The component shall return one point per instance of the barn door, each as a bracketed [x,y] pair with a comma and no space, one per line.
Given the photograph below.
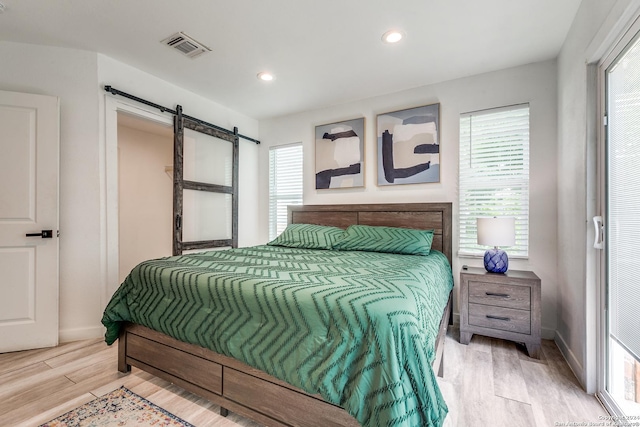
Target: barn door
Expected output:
[205,186]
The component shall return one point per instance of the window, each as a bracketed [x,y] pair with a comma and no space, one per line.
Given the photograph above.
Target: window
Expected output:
[494,174]
[285,184]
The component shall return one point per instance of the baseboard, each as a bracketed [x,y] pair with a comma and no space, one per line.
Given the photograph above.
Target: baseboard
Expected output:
[573,363]
[77,334]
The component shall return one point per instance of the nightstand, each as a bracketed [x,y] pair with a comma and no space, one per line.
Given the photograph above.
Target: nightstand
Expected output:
[503,306]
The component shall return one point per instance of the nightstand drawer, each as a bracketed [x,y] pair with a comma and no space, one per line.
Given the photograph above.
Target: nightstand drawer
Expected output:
[504,319]
[509,296]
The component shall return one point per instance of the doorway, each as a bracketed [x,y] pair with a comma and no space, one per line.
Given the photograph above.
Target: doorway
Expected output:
[215,222]
[145,191]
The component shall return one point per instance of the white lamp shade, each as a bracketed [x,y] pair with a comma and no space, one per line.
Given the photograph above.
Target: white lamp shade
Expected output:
[497,231]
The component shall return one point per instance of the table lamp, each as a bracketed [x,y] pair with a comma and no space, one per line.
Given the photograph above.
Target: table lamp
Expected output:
[496,231]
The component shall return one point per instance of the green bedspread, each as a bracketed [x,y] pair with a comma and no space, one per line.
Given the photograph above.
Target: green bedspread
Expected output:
[358,328]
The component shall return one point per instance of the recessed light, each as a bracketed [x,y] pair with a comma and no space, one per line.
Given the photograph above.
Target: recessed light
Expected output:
[265,76]
[392,36]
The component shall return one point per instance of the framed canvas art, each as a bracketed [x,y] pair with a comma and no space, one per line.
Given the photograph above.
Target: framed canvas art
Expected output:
[409,146]
[340,154]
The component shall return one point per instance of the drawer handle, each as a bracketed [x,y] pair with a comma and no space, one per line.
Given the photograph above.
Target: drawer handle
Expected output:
[506,319]
[496,294]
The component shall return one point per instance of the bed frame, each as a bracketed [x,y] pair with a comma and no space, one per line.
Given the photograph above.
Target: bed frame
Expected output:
[250,392]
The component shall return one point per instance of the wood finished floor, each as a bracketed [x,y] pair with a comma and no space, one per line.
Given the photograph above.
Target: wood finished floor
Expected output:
[490,382]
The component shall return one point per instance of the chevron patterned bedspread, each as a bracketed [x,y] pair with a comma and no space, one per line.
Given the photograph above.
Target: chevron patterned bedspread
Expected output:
[358,328]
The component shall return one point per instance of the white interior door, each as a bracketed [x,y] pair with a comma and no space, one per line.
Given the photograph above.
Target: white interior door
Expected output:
[29,169]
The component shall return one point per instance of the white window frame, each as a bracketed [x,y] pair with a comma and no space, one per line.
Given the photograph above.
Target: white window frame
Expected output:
[285,184]
[494,174]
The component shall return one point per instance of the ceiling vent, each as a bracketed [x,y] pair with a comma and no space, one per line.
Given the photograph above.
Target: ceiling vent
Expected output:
[186,45]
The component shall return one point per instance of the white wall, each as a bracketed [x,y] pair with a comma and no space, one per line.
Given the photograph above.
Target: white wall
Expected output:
[535,83]
[76,77]
[593,32]
[145,193]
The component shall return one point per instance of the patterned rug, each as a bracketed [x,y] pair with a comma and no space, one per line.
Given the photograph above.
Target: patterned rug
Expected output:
[121,407]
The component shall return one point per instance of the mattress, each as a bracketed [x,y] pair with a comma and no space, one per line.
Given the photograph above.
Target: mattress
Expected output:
[358,328]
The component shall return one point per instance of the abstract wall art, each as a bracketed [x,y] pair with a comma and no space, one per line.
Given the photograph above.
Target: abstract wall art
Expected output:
[340,154]
[409,146]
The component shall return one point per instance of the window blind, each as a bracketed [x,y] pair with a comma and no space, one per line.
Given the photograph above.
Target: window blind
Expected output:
[285,184]
[494,174]
[623,199]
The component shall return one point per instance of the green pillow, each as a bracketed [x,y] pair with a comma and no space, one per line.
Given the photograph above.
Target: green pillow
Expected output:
[405,241]
[308,236]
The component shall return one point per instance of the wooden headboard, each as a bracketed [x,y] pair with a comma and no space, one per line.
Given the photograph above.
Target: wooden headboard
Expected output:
[421,216]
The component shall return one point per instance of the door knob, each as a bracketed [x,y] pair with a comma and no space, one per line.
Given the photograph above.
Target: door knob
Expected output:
[45,234]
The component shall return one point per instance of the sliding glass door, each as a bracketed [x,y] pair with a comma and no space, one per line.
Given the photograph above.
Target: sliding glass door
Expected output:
[621,256]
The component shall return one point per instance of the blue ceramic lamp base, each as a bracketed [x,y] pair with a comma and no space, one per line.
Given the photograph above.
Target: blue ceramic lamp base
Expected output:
[496,261]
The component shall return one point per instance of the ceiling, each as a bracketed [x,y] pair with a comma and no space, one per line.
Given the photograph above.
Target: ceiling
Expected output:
[323,53]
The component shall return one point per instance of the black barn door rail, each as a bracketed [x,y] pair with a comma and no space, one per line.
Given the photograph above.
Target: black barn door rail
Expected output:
[114,91]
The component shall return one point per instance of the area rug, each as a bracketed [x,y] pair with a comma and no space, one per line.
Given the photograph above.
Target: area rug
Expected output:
[121,407]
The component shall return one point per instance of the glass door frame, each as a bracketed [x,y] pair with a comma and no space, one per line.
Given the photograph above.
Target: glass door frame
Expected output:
[179,184]
[630,35]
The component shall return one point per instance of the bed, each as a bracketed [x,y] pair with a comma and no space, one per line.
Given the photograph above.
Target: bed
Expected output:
[268,362]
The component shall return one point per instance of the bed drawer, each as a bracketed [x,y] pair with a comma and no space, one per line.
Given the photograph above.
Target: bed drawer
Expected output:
[297,408]
[504,319]
[510,296]
[176,362]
